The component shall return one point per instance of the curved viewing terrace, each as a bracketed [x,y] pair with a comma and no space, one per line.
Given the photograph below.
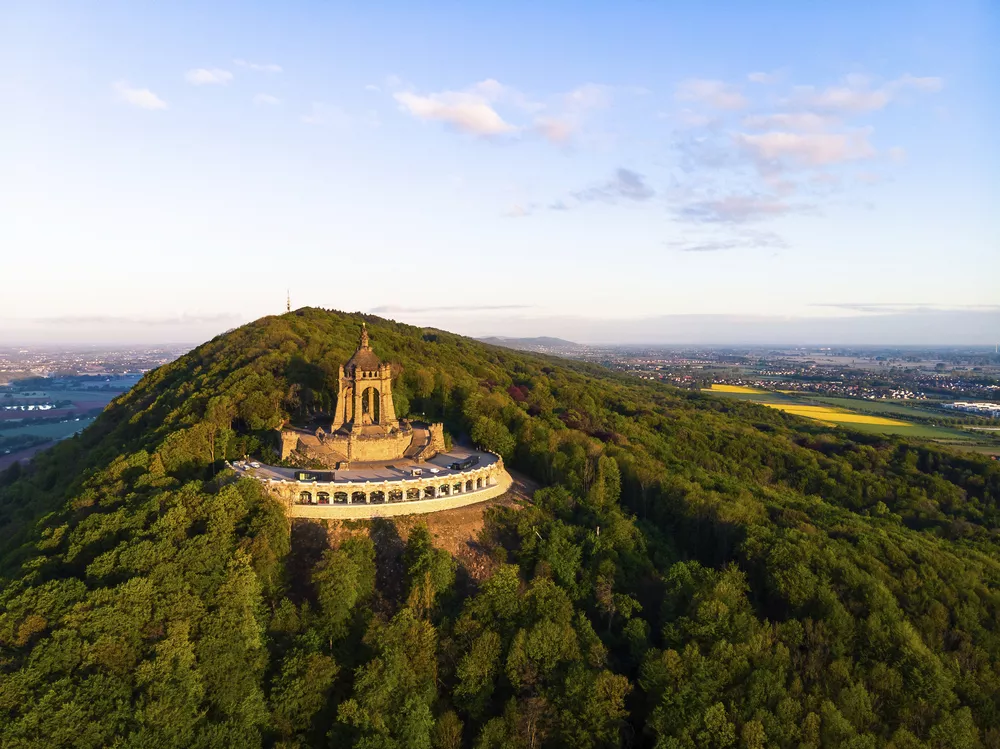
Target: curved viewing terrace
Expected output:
[453,479]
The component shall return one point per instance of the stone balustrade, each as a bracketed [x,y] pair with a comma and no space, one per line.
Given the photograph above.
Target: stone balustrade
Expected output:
[382,498]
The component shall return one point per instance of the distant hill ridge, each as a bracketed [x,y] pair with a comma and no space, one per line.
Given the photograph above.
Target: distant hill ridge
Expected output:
[527,343]
[694,572]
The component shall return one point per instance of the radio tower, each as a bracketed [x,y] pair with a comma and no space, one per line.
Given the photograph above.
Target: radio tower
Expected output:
[288,301]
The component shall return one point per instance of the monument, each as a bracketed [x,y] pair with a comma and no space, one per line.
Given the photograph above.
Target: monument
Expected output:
[364,428]
[365,396]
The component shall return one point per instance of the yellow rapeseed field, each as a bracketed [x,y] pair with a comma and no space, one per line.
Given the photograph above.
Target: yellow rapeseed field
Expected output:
[734,389]
[836,415]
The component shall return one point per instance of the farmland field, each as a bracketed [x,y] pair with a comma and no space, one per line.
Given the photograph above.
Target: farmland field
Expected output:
[741,389]
[882,407]
[873,417]
[836,415]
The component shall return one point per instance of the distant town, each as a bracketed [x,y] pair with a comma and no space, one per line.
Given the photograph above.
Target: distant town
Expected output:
[48,393]
[24,362]
[870,373]
[949,395]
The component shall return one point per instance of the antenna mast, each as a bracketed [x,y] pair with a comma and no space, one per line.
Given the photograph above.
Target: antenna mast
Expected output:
[288,301]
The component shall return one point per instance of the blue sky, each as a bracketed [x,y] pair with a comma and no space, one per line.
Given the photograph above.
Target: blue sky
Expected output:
[664,172]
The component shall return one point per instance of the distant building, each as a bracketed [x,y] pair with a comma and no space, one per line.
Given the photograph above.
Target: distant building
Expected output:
[980,408]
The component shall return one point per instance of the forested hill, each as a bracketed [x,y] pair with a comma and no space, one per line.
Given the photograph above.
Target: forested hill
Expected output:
[695,572]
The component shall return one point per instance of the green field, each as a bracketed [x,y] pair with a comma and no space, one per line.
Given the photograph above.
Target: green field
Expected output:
[963,439]
[923,431]
[56,431]
[889,408]
[59,395]
[770,397]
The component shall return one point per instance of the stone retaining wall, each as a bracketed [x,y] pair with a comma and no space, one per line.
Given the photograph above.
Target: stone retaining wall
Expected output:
[393,509]
[385,498]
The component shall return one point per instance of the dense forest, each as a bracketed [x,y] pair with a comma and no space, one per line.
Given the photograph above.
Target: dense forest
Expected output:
[694,571]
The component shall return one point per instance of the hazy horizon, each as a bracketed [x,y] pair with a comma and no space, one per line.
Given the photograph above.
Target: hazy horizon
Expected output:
[930,328]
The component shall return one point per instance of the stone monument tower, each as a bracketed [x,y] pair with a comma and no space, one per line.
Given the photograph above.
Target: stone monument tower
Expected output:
[364,400]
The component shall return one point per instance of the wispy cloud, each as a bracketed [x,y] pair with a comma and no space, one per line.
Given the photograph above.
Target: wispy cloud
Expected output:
[927,84]
[745,239]
[809,122]
[715,94]
[138,97]
[736,209]
[259,67]
[208,76]
[889,308]
[266,100]
[623,185]
[855,95]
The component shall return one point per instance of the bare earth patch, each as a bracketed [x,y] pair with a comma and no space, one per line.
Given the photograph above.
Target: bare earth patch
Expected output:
[456,531]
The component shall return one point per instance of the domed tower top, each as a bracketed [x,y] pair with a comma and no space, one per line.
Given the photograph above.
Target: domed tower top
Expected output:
[364,398]
[364,358]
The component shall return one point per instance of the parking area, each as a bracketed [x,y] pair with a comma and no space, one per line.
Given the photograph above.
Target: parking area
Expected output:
[440,466]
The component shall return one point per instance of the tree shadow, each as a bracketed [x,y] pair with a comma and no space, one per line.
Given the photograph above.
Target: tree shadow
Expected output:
[389,574]
[309,541]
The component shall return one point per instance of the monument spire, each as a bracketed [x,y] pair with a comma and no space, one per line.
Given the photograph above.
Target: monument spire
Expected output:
[364,335]
[288,301]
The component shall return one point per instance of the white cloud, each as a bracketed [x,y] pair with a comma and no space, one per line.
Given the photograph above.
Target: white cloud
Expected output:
[206,76]
[372,87]
[764,78]
[490,108]
[588,96]
[138,97]
[266,100]
[716,94]
[814,149]
[800,121]
[495,92]
[469,112]
[260,68]
[517,211]
[897,154]
[555,130]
